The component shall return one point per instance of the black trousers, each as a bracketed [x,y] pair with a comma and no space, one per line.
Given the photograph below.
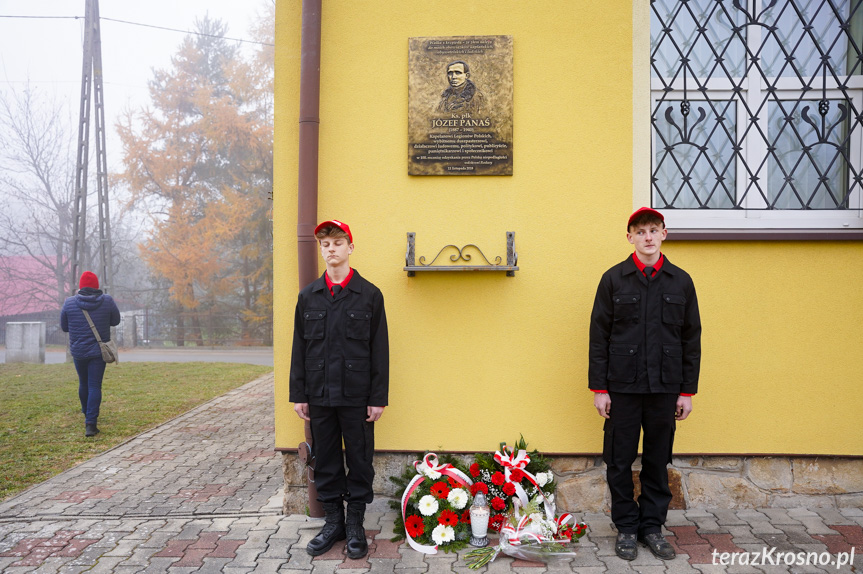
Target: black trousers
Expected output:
[630,413]
[330,427]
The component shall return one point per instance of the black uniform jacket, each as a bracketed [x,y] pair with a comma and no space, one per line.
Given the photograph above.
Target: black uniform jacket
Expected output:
[341,353]
[645,337]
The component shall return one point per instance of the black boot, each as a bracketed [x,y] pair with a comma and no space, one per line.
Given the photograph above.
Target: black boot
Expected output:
[90,429]
[333,530]
[357,545]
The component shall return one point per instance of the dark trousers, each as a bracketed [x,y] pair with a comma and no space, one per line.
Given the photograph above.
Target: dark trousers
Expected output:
[330,427]
[90,373]
[630,413]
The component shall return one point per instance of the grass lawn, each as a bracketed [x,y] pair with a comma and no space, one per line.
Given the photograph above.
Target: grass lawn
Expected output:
[42,428]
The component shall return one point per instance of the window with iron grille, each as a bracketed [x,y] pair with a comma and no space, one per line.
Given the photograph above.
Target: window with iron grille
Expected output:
[757,113]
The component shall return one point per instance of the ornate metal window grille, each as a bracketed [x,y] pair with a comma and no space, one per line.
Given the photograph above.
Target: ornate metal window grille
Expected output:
[757,104]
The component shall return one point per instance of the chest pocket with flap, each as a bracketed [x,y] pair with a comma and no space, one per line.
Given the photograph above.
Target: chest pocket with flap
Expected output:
[626,306]
[314,323]
[673,308]
[359,324]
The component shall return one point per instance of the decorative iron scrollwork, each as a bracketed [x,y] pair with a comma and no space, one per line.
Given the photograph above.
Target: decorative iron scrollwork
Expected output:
[686,130]
[823,131]
[462,254]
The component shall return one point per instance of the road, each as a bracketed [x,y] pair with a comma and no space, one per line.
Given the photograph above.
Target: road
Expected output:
[255,356]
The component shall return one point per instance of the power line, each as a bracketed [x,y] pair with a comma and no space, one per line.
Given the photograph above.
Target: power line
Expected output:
[43,17]
[186,31]
[142,25]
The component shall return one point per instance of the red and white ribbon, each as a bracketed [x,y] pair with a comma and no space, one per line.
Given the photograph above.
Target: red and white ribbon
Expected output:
[431,462]
[510,459]
[563,519]
[560,522]
[515,535]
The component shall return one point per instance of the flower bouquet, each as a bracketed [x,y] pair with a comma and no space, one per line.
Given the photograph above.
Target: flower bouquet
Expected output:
[519,487]
[434,506]
[532,532]
[509,475]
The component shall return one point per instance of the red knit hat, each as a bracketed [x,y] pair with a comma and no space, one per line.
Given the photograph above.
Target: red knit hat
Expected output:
[88,279]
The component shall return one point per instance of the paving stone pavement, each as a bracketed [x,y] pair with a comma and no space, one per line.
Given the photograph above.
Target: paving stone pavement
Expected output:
[203,493]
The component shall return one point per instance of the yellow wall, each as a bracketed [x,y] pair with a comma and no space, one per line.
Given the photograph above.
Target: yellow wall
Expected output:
[478,358]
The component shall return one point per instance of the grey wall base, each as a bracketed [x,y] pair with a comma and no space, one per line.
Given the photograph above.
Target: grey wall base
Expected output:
[727,482]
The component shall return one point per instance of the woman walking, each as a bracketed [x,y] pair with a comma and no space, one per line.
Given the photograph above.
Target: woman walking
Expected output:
[83,345]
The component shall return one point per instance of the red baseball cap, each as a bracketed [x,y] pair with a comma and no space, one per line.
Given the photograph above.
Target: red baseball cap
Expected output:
[336,223]
[642,210]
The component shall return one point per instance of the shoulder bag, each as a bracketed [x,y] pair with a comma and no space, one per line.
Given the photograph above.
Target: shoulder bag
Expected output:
[109,349]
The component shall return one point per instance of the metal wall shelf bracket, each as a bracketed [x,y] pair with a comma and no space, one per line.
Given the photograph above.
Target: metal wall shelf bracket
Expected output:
[461,254]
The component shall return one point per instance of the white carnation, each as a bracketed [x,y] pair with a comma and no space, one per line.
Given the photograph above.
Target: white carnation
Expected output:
[428,505]
[427,471]
[443,533]
[549,529]
[541,479]
[457,498]
[550,476]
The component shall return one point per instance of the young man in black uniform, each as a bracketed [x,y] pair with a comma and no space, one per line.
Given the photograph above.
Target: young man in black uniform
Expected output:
[645,355]
[340,383]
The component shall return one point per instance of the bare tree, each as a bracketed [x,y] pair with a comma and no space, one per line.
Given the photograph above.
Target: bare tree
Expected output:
[37,194]
[37,201]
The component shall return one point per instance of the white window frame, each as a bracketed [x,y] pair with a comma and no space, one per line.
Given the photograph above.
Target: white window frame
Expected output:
[699,220]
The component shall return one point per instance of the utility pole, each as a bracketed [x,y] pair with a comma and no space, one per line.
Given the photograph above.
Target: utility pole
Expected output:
[91,87]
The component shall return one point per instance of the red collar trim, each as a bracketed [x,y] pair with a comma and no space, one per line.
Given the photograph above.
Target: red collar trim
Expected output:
[343,284]
[641,265]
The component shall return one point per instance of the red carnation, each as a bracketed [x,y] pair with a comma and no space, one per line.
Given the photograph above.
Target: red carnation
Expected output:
[440,489]
[509,489]
[478,487]
[498,479]
[465,516]
[474,469]
[448,518]
[516,475]
[414,525]
[497,503]
[496,522]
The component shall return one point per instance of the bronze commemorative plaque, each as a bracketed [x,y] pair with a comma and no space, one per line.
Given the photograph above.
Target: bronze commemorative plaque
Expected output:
[460,105]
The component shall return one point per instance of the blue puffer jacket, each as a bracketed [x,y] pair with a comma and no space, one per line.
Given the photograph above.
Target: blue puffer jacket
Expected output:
[104,313]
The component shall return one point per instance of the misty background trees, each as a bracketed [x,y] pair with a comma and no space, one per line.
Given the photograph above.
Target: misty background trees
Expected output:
[36,203]
[190,205]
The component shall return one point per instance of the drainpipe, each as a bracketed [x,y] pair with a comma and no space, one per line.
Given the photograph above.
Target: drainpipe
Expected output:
[307,193]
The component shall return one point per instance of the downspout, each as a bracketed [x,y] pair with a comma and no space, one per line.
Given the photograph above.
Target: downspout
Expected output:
[307,193]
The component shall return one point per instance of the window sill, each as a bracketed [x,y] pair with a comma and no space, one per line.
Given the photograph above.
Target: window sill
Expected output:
[765,234]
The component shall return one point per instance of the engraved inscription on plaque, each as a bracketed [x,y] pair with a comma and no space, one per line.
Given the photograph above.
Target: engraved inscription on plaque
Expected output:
[460,105]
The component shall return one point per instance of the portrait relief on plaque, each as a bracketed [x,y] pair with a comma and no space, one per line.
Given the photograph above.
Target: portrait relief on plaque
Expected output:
[460,105]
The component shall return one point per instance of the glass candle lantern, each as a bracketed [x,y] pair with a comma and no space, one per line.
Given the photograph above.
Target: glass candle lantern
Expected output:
[479,516]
